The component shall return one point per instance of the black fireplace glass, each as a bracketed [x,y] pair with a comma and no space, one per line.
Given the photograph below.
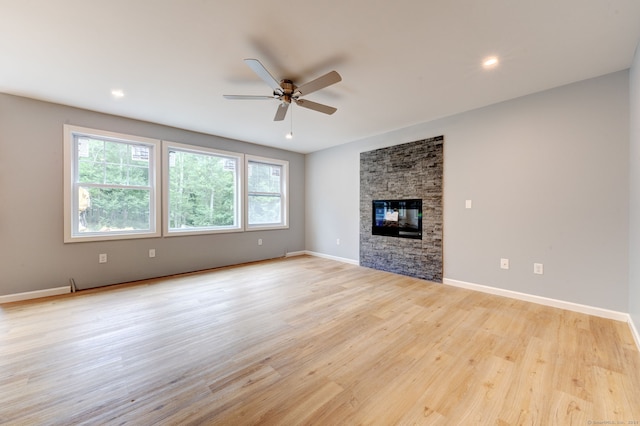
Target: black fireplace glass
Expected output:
[397,218]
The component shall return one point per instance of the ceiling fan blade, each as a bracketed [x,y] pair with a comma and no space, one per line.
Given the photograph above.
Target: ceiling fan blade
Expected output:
[281,112]
[316,106]
[262,72]
[248,97]
[319,83]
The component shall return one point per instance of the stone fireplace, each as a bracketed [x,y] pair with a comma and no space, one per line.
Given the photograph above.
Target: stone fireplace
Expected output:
[408,171]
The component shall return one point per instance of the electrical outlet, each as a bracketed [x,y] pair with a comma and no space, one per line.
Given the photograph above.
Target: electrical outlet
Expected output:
[467,204]
[259,241]
[152,252]
[504,263]
[102,258]
[338,241]
[538,268]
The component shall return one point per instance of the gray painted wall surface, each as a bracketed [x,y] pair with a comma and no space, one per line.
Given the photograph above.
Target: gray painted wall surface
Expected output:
[634,232]
[548,175]
[32,253]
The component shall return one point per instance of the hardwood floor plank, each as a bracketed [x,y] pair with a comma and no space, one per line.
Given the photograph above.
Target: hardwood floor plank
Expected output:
[306,340]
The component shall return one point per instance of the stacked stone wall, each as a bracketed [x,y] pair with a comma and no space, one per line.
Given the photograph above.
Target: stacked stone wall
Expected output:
[407,171]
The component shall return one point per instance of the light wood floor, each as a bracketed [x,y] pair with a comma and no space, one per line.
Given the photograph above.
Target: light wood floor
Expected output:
[310,341]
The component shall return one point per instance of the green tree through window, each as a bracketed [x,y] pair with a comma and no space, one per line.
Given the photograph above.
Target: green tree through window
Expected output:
[203,189]
[111,184]
[117,182]
[266,193]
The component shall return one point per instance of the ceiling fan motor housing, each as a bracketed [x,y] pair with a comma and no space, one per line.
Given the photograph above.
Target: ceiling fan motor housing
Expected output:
[287,88]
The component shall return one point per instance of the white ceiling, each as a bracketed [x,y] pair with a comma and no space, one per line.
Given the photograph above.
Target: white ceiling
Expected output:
[402,62]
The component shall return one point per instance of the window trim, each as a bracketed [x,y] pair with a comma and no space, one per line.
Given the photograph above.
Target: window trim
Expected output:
[284,224]
[70,194]
[166,146]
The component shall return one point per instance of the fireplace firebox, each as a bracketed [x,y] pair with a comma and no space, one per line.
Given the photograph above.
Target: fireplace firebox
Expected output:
[397,218]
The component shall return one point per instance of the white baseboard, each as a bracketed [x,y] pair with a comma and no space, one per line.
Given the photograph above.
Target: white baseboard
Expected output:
[328,256]
[295,253]
[34,294]
[570,306]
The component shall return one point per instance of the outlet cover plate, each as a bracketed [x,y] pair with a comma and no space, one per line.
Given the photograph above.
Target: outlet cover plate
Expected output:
[538,268]
[504,263]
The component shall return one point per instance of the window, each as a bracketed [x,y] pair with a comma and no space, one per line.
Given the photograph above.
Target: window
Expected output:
[202,190]
[267,186]
[112,188]
[111,185]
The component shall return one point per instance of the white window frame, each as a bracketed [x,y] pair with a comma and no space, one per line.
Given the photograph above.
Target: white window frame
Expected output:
[71,186]
[238,226]
[284,194]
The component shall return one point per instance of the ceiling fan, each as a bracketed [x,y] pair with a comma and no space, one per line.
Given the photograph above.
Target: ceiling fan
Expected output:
[286,91]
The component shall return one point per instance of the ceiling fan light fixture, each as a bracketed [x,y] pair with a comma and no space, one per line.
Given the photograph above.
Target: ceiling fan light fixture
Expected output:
[490,62]
[117,93]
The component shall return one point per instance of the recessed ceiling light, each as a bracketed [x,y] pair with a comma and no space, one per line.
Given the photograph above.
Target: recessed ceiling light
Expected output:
[117,93]
[490,62]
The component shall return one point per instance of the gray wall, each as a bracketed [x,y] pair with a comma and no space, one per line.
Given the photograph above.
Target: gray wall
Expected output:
[634,232]
[32,253]
[548,178]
